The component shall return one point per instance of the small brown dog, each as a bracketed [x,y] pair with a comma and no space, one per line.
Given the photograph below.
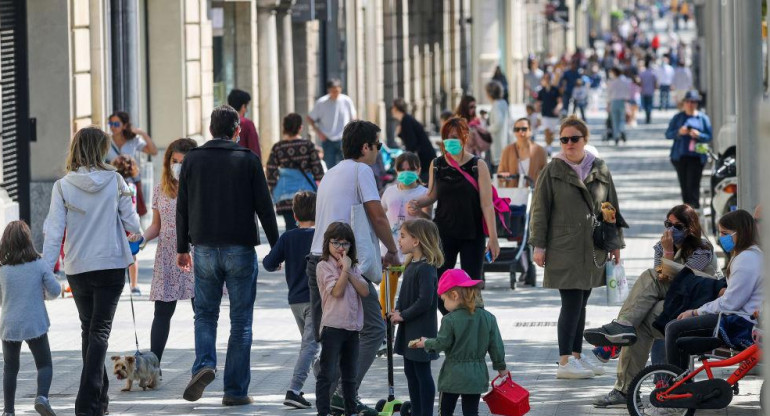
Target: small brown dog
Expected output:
[144,368]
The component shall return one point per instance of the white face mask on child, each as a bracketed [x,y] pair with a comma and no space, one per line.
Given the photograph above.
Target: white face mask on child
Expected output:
[176,169]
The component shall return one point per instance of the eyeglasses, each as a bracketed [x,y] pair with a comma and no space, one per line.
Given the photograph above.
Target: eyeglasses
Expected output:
[518,129]
[679,226]
[340,244]
[114,123]
[573,139]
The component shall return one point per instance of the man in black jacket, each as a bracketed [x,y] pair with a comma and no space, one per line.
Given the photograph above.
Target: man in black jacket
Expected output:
[221,187]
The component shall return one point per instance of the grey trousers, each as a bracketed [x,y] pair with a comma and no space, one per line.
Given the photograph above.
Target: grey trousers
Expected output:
[370,336]
[308,350]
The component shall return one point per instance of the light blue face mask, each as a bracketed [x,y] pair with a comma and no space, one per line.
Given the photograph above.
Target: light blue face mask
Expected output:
[407,177]
[453,146]
[727,243]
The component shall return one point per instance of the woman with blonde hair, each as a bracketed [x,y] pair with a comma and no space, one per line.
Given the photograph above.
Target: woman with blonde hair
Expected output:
[169,283]
[94,204]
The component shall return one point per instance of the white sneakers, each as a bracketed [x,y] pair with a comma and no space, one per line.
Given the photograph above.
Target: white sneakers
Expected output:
[574,369]
[590,362]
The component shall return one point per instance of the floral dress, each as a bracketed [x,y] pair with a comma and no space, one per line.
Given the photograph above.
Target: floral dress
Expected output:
[169,283]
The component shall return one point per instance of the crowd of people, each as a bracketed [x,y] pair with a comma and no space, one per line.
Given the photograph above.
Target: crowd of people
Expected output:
[342,227]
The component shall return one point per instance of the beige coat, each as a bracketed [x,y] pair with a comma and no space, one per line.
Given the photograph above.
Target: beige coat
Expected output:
[509,162]
[562,223]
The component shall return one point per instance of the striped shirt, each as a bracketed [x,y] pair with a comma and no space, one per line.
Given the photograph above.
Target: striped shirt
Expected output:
[698,260]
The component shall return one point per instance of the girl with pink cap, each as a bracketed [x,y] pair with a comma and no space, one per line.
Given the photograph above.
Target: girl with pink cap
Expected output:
[468,332]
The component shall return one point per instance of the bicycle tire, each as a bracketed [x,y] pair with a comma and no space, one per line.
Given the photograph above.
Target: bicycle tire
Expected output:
[631,396]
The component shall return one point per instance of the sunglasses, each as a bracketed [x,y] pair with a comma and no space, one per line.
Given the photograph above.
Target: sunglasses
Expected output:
[679,226]
[573,139]
[378,144]
[340,244]
[114,123]
[518,129]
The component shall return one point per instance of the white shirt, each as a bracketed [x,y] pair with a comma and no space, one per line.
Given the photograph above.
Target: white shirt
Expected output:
[523,170]
[331,116]
[619,89]
[665,74]
[682,79]
[337,193]
[744,285]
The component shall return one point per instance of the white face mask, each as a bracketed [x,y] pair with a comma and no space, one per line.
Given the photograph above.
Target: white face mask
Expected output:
[176,169]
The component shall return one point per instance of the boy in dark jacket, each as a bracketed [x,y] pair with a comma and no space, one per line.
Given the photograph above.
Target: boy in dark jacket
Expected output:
[292,248]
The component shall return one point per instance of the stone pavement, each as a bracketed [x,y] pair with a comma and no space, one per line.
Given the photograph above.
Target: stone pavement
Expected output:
[647,189]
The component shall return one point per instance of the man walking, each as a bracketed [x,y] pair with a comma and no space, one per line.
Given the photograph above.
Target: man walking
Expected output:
[240,100]
[221,187]
[349,183]
[649,82]
[328,118]
[665,78]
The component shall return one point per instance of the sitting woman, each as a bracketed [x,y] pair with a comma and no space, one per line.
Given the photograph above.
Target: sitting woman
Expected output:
[682,242]
[738,236]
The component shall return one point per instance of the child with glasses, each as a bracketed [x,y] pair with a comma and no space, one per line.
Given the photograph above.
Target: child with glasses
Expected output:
[341,287]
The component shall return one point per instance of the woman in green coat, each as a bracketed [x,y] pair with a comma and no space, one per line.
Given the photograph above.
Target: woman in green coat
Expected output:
[568,193]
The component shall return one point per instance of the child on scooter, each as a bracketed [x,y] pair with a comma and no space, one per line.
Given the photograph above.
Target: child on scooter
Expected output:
[415,311]
[467,334]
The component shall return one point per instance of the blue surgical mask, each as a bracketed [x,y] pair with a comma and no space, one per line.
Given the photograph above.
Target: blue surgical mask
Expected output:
[727,243]
[407,177]
[678,236]
[453,146]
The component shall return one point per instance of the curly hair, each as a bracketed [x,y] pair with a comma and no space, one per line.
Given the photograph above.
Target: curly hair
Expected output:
[126,166]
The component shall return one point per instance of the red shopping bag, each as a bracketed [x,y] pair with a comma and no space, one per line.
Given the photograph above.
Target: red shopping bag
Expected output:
[507,398]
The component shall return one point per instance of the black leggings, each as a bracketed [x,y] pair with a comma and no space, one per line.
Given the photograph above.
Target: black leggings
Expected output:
[422,389]
[572,320]
[471,258]
[448,401]
[41,353]
[161,325]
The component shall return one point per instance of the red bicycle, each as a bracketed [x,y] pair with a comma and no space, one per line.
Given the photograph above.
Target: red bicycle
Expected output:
[666,389]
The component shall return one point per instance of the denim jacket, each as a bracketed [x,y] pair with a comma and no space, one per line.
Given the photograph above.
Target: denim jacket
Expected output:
[681,146]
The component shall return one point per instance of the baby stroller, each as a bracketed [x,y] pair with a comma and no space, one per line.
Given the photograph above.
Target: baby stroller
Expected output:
[515,258]
[608,134]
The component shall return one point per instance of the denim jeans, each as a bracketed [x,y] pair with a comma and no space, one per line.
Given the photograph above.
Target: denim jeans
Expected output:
[332,152]
[96,296]
[665,94]
[236,268]
[308,350]
[41,352]
[647,107]
[618,117]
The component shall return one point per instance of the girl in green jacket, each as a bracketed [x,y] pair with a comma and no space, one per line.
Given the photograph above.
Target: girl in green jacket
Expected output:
[467,334]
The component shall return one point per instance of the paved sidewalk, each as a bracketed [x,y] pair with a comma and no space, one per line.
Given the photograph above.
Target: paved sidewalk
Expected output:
[647,189]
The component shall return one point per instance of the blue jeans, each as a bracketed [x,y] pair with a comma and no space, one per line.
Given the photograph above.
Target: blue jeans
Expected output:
[332,152]
[235,267]
[647,107]
[618,117]
[665,94]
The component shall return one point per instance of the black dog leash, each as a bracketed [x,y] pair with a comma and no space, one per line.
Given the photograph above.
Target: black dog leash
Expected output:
[133,313]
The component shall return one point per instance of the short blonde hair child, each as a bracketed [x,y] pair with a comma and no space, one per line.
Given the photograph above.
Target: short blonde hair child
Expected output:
[426,233]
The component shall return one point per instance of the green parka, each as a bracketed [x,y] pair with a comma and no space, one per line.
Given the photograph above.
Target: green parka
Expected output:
[465,339]
[562,223]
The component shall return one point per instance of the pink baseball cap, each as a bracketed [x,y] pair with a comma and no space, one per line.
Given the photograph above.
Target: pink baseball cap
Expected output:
[455,278]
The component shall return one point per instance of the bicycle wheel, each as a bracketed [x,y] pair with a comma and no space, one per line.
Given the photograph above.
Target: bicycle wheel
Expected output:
[649,379]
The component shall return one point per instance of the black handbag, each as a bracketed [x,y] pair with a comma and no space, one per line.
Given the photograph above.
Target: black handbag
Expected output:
[606,235]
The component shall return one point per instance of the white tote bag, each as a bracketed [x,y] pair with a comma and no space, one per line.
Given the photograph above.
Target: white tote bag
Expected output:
[367,244]
[617,284]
